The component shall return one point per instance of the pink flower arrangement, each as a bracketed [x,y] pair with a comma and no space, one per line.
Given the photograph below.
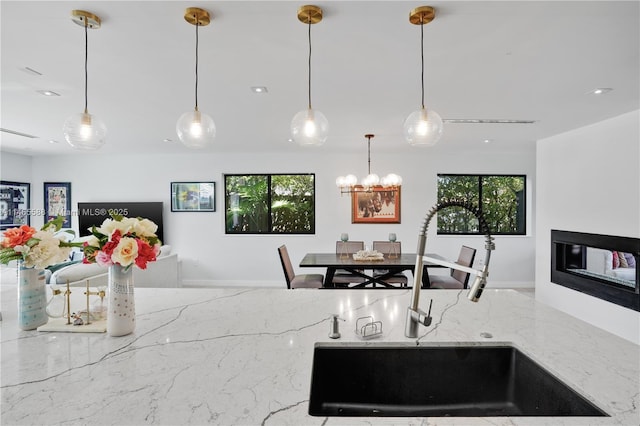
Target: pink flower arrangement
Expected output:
[123,241]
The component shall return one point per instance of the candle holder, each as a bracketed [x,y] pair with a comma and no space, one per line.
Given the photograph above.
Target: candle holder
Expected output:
[344,252]
[393,253]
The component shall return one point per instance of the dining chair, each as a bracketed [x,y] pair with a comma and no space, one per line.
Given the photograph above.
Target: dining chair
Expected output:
[301,280]
[342,277]
[390,249]
[457,279]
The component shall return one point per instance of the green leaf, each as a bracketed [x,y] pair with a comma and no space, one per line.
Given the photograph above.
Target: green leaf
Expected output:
[56,223]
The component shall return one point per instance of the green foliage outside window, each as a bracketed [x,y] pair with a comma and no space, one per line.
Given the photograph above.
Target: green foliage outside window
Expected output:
[501,199]
[270,204]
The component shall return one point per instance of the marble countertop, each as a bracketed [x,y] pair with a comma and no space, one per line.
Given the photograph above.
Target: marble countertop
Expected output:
[243,356]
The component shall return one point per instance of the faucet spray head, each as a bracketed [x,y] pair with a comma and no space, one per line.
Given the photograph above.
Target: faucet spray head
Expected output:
[478,285]
[476,289]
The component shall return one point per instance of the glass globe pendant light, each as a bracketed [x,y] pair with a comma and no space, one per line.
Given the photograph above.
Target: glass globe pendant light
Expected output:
[309,126]
[85,131]
[196,129]
[424,126]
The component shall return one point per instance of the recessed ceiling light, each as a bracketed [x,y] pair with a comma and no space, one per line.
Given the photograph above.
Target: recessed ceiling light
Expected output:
[600,90]
[167,140]
[52,141]
[48,92]
[487,140]
[259,89]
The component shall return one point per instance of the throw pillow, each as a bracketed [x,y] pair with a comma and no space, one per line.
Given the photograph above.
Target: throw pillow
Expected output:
[58,266]
[623,260]
[616,260]
[631,261]
[78,272]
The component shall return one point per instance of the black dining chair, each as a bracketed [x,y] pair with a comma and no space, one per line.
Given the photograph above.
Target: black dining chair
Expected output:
[341,277]
[390,249]
[301,280]
[457,279]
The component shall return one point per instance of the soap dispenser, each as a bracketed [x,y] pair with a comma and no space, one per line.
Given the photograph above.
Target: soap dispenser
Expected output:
[334,332]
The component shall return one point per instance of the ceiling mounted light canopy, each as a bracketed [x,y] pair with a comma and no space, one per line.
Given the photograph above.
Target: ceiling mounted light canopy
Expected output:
[349,183]
[424,126]
[309,126]
[196,129]
[83,130]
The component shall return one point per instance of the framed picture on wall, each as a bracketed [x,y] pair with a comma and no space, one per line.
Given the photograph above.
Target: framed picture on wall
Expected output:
[193,196]
[377,205]
[14,204]
[57,201]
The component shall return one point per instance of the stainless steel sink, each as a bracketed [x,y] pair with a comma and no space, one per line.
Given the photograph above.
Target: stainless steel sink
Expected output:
[418,381]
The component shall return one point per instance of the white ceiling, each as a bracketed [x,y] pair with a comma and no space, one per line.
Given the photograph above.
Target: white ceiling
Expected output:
[489,60]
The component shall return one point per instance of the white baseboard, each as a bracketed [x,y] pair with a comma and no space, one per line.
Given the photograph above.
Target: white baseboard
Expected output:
[511,284]
[233,283]
[281,284]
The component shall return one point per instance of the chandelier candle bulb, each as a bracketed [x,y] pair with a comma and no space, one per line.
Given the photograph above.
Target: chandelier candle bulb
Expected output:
[349,183]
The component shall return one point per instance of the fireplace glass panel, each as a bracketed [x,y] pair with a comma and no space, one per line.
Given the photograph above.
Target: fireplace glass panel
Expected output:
[602,266]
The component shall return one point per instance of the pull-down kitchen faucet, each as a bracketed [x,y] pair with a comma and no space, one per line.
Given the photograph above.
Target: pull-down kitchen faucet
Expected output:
[415,315]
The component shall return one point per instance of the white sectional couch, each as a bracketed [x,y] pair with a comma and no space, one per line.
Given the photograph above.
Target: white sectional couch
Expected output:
[164,272]
[600,261]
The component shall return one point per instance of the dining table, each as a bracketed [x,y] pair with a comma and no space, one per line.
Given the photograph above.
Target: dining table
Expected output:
[390,264]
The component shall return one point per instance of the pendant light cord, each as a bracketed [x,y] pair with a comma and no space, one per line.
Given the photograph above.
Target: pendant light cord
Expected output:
[197,25]
[309,65]
[422,56]
[369,154]
[86,58]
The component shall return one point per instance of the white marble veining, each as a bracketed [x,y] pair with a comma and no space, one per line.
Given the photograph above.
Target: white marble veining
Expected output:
[243,357]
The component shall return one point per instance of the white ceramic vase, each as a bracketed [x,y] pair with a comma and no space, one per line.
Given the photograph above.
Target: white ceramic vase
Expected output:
[121,314]
[32,298]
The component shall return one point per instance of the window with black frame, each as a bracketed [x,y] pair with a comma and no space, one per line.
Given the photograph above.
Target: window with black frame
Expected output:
[270,203]
[500,198]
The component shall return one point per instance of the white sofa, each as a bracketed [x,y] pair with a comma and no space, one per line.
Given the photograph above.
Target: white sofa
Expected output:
[600,261]
[164,272]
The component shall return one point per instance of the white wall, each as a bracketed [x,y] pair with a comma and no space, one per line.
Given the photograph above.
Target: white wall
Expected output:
[16,168]
[209,257]
[589,181]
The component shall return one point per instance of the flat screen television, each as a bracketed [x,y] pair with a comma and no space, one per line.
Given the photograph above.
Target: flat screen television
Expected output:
[90,214]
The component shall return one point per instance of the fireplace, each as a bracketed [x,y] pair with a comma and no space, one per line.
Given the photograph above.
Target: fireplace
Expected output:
[587,263]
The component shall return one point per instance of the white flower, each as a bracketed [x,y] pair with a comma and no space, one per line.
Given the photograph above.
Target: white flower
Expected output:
[145,228]
[21,249]
[125,226]
[92,241]
[46,252]
[125,252]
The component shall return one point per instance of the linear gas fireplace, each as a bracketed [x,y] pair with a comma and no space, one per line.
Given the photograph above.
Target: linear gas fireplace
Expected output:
[601,266]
